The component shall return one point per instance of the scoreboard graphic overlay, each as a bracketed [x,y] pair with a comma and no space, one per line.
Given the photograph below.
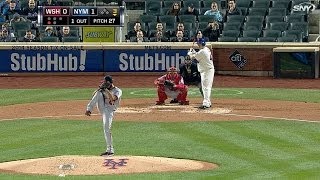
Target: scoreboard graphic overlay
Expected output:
[81,16]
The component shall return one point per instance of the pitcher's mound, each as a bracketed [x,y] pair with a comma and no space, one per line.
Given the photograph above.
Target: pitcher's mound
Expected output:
[97,165]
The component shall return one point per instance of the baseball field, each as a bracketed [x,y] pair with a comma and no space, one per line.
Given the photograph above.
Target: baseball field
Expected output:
[258,128]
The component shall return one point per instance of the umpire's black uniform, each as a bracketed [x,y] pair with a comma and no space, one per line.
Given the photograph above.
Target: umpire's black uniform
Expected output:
[190,74]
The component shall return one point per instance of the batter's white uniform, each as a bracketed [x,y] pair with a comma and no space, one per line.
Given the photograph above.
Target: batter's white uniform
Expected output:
[206,69]
[107,111]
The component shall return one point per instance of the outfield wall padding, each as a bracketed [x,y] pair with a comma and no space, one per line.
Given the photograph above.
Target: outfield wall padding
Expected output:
[230,58]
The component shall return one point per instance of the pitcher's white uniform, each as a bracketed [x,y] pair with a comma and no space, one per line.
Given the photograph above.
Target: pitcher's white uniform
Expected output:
[107,111]
[206,69]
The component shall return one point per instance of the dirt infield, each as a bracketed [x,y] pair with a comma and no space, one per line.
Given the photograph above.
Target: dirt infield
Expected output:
[145,110]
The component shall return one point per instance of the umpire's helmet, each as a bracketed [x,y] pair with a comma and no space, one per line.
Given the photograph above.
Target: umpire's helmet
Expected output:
[201,41]
[108,78]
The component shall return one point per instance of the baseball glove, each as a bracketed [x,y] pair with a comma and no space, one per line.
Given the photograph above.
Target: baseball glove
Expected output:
[169,84]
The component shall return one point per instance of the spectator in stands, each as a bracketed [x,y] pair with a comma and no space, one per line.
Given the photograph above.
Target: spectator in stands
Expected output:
[133,33]
[191,10]
[180,27]
[212,31]
[65,33]
[200,35]
[48,32]
[159,27]
[175,9]
[6,26]
[17,18]
[31,12]
[179,37]
[4,5]
[232,9]
[29,37]
[215,12]
[50,3]
[7,37]
[159,37]
[139,37]
[8,12]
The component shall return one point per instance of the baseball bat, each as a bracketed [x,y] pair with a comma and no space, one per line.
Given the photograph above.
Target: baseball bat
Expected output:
[195,36]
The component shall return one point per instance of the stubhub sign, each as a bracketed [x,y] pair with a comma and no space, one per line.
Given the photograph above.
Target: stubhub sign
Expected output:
[142,60]
[51,61]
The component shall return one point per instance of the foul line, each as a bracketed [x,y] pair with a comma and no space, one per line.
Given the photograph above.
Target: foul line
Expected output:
[270,117]
[223,114]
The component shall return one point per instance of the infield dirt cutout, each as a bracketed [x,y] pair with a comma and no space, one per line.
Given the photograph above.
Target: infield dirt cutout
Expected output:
[97,165]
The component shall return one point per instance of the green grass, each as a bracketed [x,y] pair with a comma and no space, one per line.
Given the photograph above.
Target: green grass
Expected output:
[19,96]
[272,149]
[244,150]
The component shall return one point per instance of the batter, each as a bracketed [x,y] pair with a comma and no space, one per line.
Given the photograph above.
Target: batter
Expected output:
[107,99]
[206,69]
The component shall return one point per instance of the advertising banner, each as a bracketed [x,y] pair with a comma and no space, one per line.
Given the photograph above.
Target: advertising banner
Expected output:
[98,34]
[143,60]
[51,61]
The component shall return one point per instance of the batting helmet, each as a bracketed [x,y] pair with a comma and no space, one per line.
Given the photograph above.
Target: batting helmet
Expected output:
[201,41]
[108,78]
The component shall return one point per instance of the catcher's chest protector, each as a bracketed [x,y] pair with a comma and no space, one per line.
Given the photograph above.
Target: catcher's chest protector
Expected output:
[176,79]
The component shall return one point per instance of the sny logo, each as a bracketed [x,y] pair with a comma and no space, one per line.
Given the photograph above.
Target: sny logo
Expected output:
[238,59]
[113,164]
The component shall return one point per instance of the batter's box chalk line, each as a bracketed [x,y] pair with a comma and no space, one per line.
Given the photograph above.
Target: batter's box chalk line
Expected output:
[173,108]
[133,110]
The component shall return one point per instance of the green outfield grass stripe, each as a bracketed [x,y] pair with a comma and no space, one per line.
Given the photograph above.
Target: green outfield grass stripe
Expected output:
[279,136]
[204,144]
[236,135]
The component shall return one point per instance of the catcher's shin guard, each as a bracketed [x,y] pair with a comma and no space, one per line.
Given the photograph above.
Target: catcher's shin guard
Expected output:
[182,97]
[161,94]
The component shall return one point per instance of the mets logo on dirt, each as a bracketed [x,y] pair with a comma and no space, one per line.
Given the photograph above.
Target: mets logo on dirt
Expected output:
[237,59]
[113,164]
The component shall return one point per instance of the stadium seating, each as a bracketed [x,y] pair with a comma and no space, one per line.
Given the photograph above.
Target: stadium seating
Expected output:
[281,26]
[232,26]
[266,39]
[170,20]
[257,11]
[71,39]
[49,39]
[297,33]
[231,33]
[195,3]
[251,33]
[227,39]
[287,39]
[153,7]
[187,18]
[247,39]
[261,3]
[253,26]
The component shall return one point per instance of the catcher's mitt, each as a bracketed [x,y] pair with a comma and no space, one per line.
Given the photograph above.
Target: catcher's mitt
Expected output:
[168,84]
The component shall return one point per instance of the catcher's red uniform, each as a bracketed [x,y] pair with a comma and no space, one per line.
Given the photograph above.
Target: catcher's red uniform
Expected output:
[179,91]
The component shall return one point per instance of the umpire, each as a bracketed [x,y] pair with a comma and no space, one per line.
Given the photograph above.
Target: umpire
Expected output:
[190,73]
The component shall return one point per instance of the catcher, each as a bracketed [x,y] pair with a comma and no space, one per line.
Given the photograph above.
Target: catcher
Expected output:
[189,72]
[171,85]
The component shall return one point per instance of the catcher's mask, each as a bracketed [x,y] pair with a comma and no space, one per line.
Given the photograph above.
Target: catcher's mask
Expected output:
[172,73]
[187,60]
[107,83]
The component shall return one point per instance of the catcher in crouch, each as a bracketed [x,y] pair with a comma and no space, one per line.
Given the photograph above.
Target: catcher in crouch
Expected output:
[172,85]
